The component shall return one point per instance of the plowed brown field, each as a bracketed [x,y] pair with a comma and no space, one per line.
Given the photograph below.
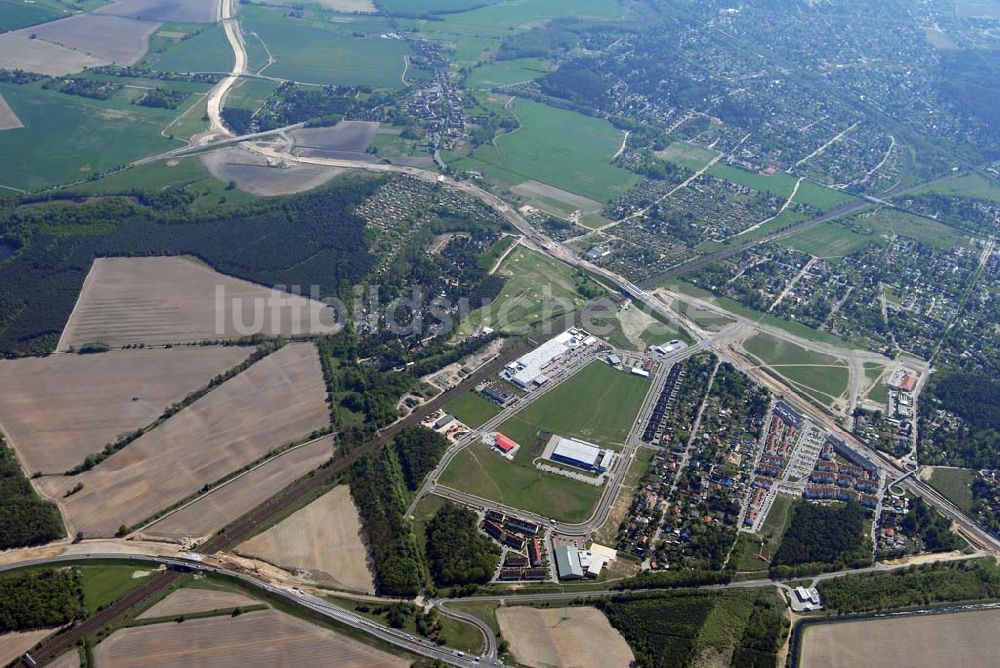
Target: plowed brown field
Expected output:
[69,406]
[190,600]
[279,400]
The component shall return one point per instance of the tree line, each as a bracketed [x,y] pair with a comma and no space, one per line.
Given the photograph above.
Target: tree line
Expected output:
[25,519]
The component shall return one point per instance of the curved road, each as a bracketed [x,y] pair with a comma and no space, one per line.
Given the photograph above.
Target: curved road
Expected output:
[217,96]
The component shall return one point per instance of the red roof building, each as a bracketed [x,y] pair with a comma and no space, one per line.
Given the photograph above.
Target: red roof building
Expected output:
[505,444]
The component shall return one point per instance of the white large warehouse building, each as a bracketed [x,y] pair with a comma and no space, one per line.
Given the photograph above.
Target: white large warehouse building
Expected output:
[581,454]
[526,370]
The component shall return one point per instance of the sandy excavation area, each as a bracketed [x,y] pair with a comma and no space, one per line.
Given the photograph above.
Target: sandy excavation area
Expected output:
[251,172]
[13,645]
[323,538]
[577,636]
[279,400]
[190,600]
[261,639]
[213,511]
[69,406]
[927,641]
[174,300]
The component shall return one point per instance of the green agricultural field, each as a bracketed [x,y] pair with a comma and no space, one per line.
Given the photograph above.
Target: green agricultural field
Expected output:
[250,94]
[557,147]
[598,404]
[104,584]
[313,53]
[538,288]
[816,373]
[954,484]
[206,51]
[974,186]
[16,14]
[480,470]
[472,409]
[417,7]
[830,240]
[68,138]
[187,173]
[505,73]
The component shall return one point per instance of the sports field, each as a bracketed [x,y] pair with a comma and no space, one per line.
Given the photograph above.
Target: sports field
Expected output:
[310,53]
[537,288]
[67,137]
[598,404]
[471,409]
[824,377]
[556,147]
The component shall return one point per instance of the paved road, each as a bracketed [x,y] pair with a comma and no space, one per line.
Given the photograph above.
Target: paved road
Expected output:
[396,637]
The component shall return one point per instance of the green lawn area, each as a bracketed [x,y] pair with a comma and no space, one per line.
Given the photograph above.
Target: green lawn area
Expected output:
[208,51]
[879,393]
[824,374]
[536,286]
[745,555]
[480,470]
[104,584]
[187,173]
[67,137]
[656,332]
[687,155]
[312,52]
[954,484]
[409,7]
[830,240]
[472,409]
[975,186]
[561,148]
[892,221]
[598,404]
[505,72]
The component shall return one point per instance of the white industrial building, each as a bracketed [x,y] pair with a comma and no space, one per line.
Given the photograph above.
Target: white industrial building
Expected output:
[581,454]
[526,370]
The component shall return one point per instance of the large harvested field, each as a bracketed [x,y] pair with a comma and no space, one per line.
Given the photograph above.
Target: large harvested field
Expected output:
[927,641]
[173,300]
[598,404]
[13,645]
[251,173]
[69,659]
[261,639]
[184,11]
[8,119]
[323,538]
[215,510]
[577,636]
[108,38]
[190,600]
[19,52]
[69,406]
[349,136]
[310,53]
[279,400]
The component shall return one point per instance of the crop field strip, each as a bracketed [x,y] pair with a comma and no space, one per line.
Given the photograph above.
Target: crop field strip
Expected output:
[69,406]
[279,400]
[261,638]
[173,300]
[324,538]
[190,600]
[219,507]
